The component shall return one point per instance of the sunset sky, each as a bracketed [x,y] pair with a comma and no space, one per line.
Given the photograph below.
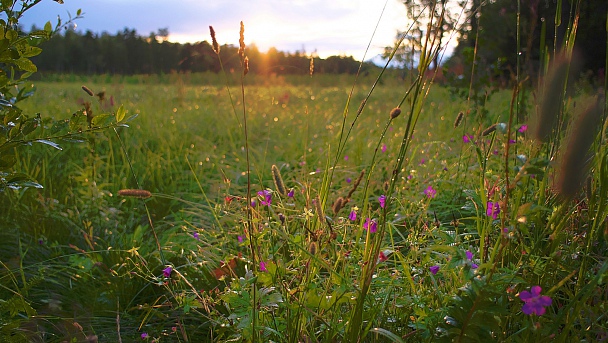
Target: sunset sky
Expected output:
[327,27]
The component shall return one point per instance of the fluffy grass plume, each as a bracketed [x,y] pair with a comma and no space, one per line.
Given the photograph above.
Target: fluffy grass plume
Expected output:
[573,167]
[552,95]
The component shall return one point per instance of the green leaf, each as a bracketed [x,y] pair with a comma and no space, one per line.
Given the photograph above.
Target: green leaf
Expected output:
[53,144]
[102,119]
[7,161]
[30,184]
[387,334]
[77,122]
[120,113]
[48,27]
[4,43]
[26,65]
[30,51]
[131,118]
[11,35]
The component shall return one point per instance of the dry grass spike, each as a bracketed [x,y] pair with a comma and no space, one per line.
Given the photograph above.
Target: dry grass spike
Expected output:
[216,47]
[489,130]
[339,204]
[312,248]
[278,180]
[356,184]
[88,90]
[311,68]
[136,193]
[242,42]
[319,209]
[459,118]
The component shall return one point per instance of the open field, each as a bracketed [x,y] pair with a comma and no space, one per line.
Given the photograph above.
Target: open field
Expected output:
[471,223]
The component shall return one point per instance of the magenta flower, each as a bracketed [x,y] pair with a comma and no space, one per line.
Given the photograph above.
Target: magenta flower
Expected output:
[263,266]
[382,200]
[493,209]
[240,238]
[195,235]
[383,148]
[266,197]
[467,138]
[422,161]
[167,271]
[434,269]
[348,180]
[534,302]
[352,216]
[370,224]
[522,128]
[290,194]
[430,192]
[345,157]
[470,258]
[144,335]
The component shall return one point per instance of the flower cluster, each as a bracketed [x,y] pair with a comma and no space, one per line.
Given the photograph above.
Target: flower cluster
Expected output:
[430,192]
[382,200]
[266,197]
[371,225]
[534,302]
[493,209]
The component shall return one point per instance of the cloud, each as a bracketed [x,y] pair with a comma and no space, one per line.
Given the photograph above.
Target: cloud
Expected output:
[329,26]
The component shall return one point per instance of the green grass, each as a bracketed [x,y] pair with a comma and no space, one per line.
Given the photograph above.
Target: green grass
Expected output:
[77,252]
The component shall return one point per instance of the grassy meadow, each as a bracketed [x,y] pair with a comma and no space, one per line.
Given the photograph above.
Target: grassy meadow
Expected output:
[469,224]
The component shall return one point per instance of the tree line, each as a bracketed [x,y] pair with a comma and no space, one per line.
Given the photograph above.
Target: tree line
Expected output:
[128,53]
[500,36]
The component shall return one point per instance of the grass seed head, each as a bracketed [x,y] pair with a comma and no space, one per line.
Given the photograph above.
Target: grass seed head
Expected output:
[339,204]
[216,47]
[246,65]
[136,193]
[395,112]
[311,69]
[458,119]
[312,248]
[88,90]
[361,106]
[552,95]
[489,130]
[319,209]
[574,163]
[278,180]
[355,184]
[242,42]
